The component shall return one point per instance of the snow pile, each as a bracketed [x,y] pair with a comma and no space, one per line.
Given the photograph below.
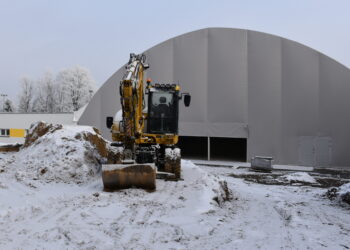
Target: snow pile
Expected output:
[173,154]
[341,193]
[344,189]
[178,215]
[298,177]
[211,187]
[71,154]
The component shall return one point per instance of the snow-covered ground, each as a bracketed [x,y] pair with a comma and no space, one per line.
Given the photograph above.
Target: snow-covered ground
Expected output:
[35,214]
[39,215]
[284,217]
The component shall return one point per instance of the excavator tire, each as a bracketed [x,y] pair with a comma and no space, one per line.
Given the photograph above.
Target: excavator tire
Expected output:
[173,162]
[122,176]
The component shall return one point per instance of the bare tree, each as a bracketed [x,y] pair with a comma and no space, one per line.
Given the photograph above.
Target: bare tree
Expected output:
[75,85]
[61,100]
[44,100]
[8,106]
[26,95]
[69,91]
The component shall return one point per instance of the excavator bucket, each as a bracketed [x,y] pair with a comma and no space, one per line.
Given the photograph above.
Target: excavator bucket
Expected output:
[121,176]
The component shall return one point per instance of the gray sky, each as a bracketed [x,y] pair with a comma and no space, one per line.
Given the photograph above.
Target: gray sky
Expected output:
[43,35]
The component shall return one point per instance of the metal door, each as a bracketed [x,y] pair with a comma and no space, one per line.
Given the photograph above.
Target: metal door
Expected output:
[323,151]
[306,152]
[314,151]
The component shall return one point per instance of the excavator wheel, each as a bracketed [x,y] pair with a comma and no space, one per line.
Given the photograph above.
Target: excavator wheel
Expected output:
[173,162]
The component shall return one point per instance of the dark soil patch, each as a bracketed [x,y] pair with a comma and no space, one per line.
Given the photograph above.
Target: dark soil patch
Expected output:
[10,148]
[272,179]
[327,182]
[345,174]
[333,194]
[267,179]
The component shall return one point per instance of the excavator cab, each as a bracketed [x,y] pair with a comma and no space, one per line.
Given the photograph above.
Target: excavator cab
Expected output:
[163,110]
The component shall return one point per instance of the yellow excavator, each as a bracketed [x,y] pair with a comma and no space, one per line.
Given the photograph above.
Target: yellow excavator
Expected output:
[146,136]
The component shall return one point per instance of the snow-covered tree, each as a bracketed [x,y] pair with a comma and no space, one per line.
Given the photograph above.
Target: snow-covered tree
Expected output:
[75,86]
[26,95]
[70,90]
[8,106]
[44,100]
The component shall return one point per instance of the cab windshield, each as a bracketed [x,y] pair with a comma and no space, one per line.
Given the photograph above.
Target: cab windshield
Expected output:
[162,113]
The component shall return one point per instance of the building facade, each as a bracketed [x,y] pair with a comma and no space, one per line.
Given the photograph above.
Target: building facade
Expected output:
[14,126]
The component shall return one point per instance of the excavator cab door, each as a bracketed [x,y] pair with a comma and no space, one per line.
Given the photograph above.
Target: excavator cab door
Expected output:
[163,112]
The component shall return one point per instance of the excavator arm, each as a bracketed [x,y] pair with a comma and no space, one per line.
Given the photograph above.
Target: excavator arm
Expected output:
[132,101]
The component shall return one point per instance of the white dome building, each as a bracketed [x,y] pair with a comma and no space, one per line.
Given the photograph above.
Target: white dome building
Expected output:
[252,94]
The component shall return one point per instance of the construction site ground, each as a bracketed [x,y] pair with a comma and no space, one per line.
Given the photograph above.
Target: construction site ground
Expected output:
[281,210]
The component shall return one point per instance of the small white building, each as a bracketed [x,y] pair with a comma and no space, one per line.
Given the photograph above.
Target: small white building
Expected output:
[14,126]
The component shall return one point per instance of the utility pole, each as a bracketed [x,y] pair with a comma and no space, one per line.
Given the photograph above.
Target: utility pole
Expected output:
[3,101]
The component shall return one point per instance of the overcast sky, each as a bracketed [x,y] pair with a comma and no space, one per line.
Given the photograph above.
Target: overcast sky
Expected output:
[48,35]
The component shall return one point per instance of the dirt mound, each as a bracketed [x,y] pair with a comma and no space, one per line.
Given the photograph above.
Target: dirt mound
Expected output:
[39,129]
[10,147]
[71,154]
[341,193]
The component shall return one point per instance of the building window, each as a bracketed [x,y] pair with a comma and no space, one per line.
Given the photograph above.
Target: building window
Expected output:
[4,132]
